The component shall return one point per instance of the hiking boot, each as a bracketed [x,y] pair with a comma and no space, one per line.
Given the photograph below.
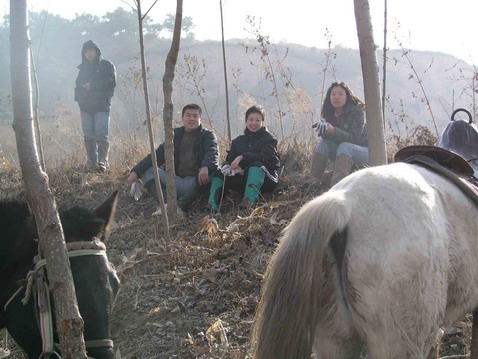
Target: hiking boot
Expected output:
[318,165]
[91,151]
[103,148]
[102,167]
[342,168]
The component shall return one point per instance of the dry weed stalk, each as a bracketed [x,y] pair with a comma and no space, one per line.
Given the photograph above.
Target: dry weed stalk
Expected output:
[419,78]
[268,66]
[192,72]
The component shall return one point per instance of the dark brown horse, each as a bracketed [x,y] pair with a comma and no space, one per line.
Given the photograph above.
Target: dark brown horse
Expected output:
[95,279]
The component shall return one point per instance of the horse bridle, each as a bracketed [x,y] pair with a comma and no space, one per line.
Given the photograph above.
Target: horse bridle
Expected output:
[42,299]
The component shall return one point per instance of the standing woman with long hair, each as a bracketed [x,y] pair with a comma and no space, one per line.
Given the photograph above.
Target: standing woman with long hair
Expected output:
[342,134]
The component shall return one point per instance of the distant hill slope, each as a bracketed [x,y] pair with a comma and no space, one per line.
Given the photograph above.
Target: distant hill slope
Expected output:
[297,70]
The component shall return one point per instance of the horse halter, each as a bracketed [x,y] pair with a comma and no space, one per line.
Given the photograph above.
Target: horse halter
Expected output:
[42,299]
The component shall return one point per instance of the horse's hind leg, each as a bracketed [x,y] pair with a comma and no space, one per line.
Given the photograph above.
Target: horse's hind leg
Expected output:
[390,343]
[330,347]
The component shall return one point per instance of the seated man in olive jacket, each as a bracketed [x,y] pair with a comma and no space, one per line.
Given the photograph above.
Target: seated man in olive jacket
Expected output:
[196,155]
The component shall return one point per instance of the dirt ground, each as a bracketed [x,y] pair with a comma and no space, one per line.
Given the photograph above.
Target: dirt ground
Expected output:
[195,295]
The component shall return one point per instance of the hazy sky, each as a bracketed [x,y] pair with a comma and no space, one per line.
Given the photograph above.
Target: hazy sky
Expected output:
[434,25]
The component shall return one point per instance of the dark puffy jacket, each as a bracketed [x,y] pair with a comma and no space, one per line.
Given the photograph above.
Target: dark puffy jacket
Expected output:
[260,146]
[101,75]
[206,149]
[349,127]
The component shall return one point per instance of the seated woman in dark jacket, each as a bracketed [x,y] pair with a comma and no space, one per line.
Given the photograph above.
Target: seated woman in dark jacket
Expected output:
[252,163]
[342,134]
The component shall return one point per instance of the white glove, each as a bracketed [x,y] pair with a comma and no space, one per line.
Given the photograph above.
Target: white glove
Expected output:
[226,170]
[321,127]
[135,191]
[238,171]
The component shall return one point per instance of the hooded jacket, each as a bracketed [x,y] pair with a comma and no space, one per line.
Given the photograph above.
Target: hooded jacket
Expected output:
[100,73]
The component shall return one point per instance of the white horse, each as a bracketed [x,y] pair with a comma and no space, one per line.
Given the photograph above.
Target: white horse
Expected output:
[378,264]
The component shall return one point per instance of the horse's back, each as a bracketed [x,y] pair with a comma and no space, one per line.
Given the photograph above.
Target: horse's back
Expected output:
[375,259]
[408,234]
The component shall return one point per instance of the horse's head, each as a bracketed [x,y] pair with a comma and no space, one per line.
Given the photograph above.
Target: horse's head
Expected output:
[96,282]
[95,279]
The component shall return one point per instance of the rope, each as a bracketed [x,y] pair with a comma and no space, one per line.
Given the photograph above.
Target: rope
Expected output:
[72,254]
[222,193]
[12,298]
[28,290]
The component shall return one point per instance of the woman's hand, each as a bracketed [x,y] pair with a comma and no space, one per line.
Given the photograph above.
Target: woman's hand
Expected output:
[236,162]
[330,129]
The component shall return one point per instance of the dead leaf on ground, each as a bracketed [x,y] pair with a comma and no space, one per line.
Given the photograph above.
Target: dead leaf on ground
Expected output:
[216,328]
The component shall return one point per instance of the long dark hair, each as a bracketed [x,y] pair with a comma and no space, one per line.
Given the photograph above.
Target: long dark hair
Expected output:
[328,110]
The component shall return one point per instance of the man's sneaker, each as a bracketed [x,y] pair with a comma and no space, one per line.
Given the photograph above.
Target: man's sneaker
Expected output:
[158,211]
[179,212]
[102,167]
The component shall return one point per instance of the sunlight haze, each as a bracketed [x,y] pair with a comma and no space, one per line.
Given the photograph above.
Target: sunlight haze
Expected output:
[427,25]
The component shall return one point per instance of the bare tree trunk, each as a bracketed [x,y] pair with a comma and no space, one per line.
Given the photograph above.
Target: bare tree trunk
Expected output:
[375,127]
[148,119]
[36,117]
[40,198]
[168,77]
[384,84]
[229,136]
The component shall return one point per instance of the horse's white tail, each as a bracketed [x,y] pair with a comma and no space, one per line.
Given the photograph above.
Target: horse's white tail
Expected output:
[287,314]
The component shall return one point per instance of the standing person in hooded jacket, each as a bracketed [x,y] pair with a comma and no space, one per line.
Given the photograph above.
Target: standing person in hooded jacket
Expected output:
[252,164]
[94,89]
[342,134]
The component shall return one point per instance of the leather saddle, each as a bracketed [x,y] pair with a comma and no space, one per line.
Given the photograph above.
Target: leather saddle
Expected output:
[444,162]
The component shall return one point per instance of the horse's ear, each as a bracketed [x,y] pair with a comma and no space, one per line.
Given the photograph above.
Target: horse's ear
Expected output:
[106,212]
